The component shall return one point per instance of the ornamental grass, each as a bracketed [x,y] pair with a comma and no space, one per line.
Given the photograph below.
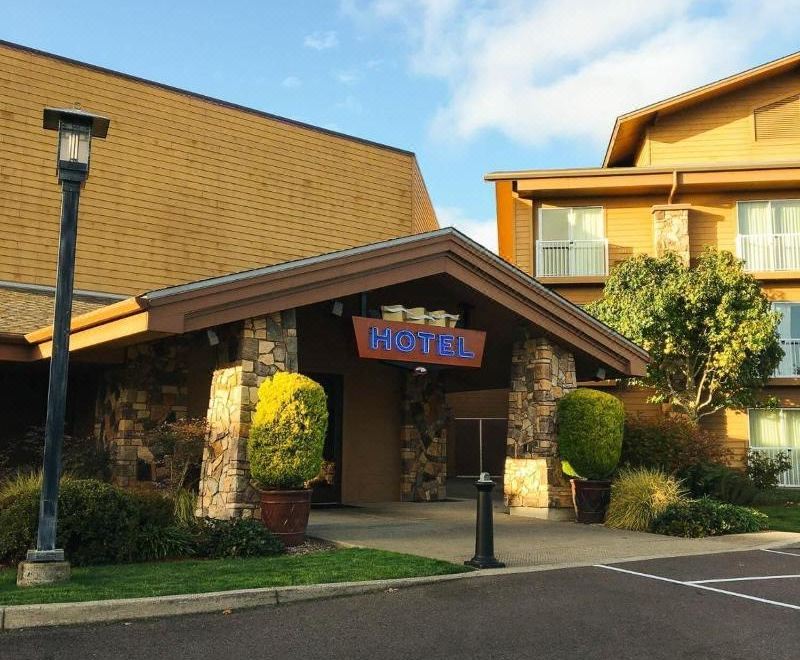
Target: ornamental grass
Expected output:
[639,496]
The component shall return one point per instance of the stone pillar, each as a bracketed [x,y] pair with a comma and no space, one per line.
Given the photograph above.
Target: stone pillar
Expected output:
[253,350]
[148,390]
[423,440]
[671,230]
[541,373]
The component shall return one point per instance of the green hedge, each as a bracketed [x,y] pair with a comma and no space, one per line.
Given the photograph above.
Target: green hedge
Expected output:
[590,426]
[101,524]
[708,517]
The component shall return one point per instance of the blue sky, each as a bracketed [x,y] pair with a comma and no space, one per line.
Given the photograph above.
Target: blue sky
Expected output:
[470,86]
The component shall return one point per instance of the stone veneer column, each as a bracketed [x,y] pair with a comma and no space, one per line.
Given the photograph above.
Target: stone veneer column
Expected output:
[671,230]
[423,440]
[256,349]
[148,390]
[541,373]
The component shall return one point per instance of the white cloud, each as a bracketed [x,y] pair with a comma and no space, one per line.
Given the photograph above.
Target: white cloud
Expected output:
[321,40]
[483,231]
[291,82]
[542,69]
[348,77]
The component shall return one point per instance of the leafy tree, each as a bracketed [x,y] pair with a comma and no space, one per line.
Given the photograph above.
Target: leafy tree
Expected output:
[710,330]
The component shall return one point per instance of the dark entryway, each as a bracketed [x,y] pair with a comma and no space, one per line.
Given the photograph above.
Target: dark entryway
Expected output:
[480,445]
[327,489]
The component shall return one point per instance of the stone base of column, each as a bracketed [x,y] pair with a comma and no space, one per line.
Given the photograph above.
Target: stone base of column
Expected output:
[541,513]
[536,487]
[33,573]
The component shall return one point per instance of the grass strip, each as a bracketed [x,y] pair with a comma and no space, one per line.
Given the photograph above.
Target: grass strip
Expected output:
[199,576]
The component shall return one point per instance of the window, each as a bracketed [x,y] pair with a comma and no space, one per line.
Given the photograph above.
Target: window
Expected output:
[789,331]
[769,234]
[775,428]
[571,242]
[772,431]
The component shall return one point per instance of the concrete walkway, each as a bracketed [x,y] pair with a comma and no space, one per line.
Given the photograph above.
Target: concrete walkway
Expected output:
[446,530]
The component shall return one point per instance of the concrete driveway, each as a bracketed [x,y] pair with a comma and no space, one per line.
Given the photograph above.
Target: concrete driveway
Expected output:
[446,530]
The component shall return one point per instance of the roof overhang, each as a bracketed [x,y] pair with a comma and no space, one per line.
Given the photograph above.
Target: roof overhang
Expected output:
[629,128]
[651,181]
[230,298]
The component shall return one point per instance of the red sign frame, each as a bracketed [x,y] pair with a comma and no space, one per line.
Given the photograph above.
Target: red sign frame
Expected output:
[419,343]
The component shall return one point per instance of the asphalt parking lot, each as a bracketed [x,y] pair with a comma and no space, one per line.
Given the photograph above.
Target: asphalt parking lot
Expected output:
[732,605]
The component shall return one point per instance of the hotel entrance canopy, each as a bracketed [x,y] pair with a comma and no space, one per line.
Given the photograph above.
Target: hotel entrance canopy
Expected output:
[423,265]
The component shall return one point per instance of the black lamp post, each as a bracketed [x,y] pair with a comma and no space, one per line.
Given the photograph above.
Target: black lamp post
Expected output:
[76,129]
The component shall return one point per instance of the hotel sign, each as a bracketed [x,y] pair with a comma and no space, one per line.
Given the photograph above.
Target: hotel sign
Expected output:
[419,343]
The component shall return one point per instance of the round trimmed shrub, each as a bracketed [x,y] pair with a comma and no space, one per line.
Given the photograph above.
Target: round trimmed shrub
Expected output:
[288,433]
[590,433]
[708,517]
[639,496]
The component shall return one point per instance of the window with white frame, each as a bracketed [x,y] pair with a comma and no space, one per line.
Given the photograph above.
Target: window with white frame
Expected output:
[571,242]
[774,431]
[769,234]
[789,333]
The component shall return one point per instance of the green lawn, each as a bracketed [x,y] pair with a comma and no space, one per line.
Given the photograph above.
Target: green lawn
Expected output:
[195,576]
[782,518]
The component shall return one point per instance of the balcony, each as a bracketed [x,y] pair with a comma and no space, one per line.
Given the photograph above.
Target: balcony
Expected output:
[769,252]
[572,258]
[790,364]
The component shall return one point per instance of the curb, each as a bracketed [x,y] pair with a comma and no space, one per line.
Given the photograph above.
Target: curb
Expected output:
[17,617]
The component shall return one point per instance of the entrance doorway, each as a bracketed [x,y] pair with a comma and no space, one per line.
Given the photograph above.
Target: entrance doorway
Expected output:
[327,488]
[480,445]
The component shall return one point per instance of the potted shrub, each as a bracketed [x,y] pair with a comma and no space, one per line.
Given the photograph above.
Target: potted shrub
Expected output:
[590,441]
[285,451]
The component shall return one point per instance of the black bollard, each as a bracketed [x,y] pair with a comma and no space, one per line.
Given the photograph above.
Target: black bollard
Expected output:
[484,526]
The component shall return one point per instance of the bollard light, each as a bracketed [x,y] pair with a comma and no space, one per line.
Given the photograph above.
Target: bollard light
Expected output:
[484,526]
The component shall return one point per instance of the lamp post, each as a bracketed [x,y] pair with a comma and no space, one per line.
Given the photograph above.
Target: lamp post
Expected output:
[76,129]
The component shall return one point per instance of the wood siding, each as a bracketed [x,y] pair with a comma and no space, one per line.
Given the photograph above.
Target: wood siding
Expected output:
[423,216]
[722,130]
[185,188]
[524,235]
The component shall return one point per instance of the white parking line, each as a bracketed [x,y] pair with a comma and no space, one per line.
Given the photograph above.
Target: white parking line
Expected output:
[700,586]
[781,552]
[744,579]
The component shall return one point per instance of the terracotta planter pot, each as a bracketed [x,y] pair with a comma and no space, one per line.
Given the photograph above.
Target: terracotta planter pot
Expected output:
[590,499]
[285,514]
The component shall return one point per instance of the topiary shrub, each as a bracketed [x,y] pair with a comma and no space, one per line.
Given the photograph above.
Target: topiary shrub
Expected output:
[708,517]
[590,433]
[639,496]
[288,433]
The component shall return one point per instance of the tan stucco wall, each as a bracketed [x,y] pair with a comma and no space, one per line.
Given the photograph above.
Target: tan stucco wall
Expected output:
[372,414]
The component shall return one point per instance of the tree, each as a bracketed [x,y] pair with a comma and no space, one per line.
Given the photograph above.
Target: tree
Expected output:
[710,330]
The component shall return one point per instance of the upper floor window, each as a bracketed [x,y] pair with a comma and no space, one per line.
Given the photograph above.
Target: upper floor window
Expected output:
[769,234]
[571,242]
[789,332]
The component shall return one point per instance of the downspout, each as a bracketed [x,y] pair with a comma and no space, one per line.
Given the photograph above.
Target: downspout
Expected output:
[674,188]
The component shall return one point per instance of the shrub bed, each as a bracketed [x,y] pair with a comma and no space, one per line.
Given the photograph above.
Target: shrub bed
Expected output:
[673,445]
[708,517]
[101,524]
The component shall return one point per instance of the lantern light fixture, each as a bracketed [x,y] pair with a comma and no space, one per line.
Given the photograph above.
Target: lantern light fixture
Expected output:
[76,128]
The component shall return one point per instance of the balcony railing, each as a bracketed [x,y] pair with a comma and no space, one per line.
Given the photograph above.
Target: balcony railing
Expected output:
[571,258]
[790,364]
[769,252]
[790,478]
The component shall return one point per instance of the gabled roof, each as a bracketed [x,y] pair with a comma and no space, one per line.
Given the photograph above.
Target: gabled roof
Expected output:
[260,291]
[629,128]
